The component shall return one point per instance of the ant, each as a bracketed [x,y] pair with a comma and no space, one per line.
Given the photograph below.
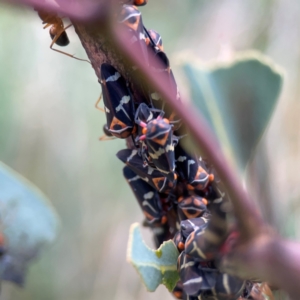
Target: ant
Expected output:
[57,31]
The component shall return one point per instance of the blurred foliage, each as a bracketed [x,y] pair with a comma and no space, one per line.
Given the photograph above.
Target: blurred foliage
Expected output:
[237,98]
[50,128]
[29,224]
[154,266]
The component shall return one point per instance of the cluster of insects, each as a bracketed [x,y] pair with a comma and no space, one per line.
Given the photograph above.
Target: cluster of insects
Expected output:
[173,187]
[176,190]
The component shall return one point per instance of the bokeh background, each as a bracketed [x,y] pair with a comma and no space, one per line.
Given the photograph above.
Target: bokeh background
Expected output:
[49,130]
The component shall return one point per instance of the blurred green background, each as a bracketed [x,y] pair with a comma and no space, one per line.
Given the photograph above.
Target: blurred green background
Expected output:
[49,133]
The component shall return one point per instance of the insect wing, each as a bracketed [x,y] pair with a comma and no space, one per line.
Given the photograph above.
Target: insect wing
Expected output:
[133,30]
[159,139]
[146,114]
[229,287]
[147,196]
[194,278]
[118,102]
[190,225]
[191,169]
[152,176]
[186,228]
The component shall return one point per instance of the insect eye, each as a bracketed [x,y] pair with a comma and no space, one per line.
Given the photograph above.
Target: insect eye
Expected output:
[132,20]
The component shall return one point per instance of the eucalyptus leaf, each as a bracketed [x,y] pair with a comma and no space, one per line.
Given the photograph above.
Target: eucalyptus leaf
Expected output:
[29,223]
[237,99]
[154,266]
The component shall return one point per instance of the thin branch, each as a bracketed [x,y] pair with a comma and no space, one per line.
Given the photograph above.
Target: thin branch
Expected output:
[85,10]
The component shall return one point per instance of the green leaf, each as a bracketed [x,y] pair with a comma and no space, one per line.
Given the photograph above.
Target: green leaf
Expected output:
[237,99]
[29,223]
[154,266]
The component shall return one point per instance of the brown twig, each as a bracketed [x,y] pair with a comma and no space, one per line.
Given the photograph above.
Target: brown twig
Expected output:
[86,10]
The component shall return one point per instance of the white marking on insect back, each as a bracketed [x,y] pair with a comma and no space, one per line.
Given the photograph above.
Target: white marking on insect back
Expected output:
[155,96]
[145,179]
[133,153]
[194,280]
[190,162]
[198,250]
[169,147]
[163,186]
[150,170]
[146,203]
[124,100]
[142,36]
[219,200]
[120,130]
[192,224]
[114,77]
[158,41]
[106,109]
[150,117]
[226,284]
[181,158]
[148,195]
[133,14]
[157,153]
[160,151]
[162,171]
[202,180]
[137,177]
[189,264]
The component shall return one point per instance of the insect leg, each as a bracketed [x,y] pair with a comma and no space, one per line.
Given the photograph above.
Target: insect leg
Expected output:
[98,101]
[106,138]
[62,52]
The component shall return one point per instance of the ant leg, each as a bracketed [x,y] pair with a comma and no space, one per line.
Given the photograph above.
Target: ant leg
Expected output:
[98,101]
[106,138]
[47,25]
[56,38]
